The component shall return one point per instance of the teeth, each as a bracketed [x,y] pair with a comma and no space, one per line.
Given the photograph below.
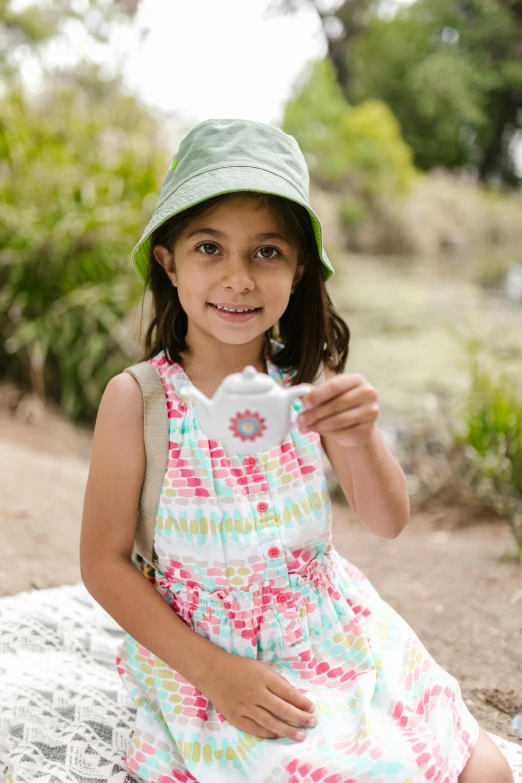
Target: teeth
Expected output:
[235,310]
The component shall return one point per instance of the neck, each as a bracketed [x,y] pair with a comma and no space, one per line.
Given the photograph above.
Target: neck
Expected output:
[207,363]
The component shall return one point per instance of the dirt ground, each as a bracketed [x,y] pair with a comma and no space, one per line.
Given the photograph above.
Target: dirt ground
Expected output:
[463,603]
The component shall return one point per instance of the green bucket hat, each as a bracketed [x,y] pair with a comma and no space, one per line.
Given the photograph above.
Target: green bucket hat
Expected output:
[226,156]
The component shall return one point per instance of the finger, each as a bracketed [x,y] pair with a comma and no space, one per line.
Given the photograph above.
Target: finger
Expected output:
[272,723]
[280,687]
[343,422]
[253,727]
[349,400]
[347,418]
[332,388]
[286,711]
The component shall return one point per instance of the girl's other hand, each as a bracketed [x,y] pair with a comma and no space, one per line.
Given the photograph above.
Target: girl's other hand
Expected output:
[254,698]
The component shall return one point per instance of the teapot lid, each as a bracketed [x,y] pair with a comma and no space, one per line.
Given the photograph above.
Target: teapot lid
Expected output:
[248,382]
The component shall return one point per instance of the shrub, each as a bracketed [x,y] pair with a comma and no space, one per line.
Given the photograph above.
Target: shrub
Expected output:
[77,165]
[350,149]
[473,459]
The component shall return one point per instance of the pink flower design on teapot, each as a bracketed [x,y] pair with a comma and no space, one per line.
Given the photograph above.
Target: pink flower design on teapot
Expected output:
[247,425]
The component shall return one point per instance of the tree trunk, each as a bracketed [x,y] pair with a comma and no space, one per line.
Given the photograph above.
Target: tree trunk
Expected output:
[354,15]
[495,158]
[338,52]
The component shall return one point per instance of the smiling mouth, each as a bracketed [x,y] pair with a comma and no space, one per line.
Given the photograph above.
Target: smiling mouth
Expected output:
[235,309]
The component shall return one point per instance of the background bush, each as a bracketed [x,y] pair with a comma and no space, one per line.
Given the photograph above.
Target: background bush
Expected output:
[357,151]
[79,171]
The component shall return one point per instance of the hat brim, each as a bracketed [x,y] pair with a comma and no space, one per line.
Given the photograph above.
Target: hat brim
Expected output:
[218,182]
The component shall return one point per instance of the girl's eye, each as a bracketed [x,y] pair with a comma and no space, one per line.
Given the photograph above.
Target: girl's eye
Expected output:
[270,250]
[207,245]
[268,253]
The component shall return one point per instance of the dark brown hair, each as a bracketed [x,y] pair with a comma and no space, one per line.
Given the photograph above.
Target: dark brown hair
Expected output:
[310,329]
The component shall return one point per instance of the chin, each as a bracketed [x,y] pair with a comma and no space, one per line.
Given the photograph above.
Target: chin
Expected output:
[238,339]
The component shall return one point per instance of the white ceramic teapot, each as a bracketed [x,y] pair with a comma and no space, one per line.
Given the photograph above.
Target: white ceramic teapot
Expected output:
[249,412]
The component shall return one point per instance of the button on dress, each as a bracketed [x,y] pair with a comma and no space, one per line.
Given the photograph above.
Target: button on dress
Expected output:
[244,555]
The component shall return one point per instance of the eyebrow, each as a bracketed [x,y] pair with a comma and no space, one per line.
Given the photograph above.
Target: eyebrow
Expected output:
[220,235]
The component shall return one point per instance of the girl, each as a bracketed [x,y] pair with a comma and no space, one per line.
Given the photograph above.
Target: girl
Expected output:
[253,650]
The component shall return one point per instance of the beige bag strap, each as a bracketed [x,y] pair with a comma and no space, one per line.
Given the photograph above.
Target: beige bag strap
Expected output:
[156,437]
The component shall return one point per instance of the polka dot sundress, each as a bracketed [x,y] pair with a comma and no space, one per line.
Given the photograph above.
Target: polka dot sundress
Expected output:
[244,555]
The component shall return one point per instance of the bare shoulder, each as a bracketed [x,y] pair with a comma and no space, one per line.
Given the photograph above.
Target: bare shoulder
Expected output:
[325,440]
[329,373]
[338,455]
[118,435]
[122,398]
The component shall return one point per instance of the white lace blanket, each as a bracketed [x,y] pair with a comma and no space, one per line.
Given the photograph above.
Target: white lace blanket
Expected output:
[64,715]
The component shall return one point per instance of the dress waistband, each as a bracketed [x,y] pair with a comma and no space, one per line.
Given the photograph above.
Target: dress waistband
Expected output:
[317,572]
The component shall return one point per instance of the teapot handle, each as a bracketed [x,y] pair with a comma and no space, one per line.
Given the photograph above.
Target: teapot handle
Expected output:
[299,391]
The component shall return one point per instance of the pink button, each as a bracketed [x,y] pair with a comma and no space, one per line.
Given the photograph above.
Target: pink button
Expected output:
[262,507]
[274,552]
[282,598]
[250,461]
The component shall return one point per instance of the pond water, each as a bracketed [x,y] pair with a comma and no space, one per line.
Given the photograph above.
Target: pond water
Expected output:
[409,320]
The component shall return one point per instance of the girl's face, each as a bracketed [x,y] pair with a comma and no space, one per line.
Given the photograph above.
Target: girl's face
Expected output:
[236,257]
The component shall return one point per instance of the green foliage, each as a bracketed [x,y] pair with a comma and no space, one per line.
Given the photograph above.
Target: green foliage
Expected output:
[452,74]
[493,427]
[487,444]
[471,456]
[77,165]
[358,148]
[351,212]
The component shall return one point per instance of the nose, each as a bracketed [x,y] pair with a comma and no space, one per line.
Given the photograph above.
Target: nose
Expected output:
[237,275]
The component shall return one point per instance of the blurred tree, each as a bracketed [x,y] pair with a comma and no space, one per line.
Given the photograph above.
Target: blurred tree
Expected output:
[342,24]
[356,152]
[450,70]
[30,28]
[452,73]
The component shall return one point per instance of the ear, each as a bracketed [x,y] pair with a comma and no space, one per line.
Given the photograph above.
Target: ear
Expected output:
[297,277]
[166,260]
